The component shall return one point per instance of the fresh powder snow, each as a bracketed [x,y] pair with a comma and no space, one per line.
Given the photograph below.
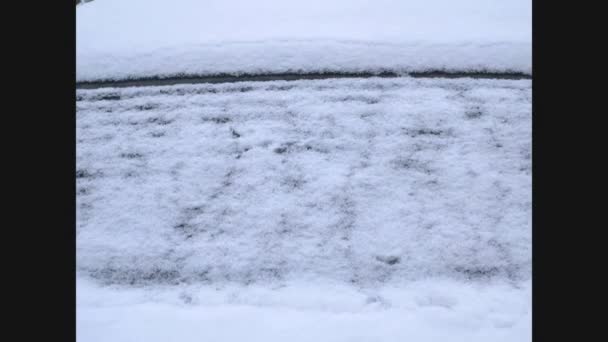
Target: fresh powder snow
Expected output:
[370,209]
[125,39]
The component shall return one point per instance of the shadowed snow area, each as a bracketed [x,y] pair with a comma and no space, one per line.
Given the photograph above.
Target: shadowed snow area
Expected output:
[124,39]
[391,207]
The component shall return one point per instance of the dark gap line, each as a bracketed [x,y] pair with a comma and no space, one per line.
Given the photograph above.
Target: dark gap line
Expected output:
[225,78]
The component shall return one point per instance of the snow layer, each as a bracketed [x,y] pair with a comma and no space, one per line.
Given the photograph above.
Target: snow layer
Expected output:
[332,210]
[422,311]
[118,39]
[363,181]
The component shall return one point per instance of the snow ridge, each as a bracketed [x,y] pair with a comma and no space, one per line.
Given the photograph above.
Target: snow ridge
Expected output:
[126,39]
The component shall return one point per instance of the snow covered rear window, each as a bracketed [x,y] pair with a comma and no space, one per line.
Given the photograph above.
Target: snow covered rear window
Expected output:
[361,181]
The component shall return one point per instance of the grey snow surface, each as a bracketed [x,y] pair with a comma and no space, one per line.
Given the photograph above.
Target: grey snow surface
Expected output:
[357,181]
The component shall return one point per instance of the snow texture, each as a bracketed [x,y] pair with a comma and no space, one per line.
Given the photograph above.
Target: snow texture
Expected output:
[360,181]
[422,311]
[122,39]
[329,210]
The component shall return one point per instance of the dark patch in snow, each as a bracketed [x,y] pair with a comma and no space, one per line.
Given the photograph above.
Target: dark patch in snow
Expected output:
[473,113]
[157,134]
[185,229]
[111,123]
[106,97]
[84,173]
[159,121]
[86,205]
[245,89]
[239,154]
[293,182]
[217,120]
[289,147]
[226,183]
[147,106]
[239,89]
[280,150]
[389,260]
[207,91]
[130,174]
[412,164]
[429,131]
[285,147]
[131,155]
[316,149]
[228,179]
[352,98]
[270,273]
[429,226]
[159,275]
[426,131]
[194,210]
[476,273]
[235,134]
[279,87]
[137,276]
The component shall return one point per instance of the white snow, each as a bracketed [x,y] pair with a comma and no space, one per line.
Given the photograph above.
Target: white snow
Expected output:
[118,39]
[333,210]
[438,310]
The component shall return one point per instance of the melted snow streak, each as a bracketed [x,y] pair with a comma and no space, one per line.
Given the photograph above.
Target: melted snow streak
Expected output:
[357,181]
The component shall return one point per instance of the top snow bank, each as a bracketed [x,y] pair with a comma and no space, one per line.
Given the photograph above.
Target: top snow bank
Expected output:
[120,39]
